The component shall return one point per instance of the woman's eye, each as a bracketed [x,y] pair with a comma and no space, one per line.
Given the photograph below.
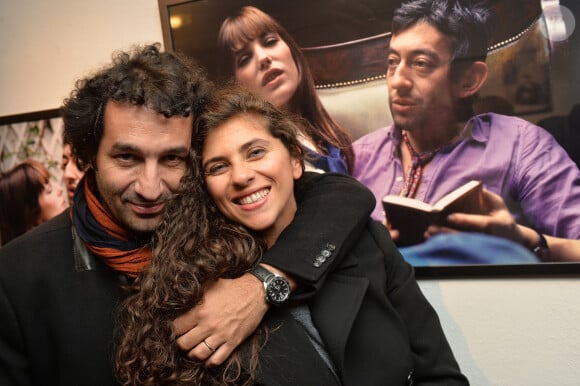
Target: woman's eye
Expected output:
[256,153]
[243,60]
[270,41]
[216,169]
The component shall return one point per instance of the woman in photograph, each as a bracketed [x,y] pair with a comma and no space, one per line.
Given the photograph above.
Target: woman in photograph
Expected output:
[263,56]
[368,324]
[27,198]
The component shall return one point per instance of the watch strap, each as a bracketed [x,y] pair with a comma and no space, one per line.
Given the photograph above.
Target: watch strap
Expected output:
[275,294]
[261,273]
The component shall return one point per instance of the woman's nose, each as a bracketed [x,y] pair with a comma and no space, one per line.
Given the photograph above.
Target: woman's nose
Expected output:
[242,175]
[264,59]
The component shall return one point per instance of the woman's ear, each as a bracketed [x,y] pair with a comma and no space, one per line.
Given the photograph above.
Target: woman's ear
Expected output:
[297,168]
[472,79]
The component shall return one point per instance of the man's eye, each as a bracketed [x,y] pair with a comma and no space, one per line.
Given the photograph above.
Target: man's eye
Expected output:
[125,158]
[173,159]
[392,64]
[422,64]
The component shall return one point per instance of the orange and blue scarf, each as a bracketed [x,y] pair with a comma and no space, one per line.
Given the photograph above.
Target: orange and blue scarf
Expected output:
[103,235]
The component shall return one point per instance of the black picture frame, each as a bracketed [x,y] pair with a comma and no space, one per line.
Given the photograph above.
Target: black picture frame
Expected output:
[30,117]
[524,13]
[33,126]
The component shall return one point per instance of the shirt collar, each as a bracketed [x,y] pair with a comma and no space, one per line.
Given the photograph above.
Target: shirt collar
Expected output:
[477,129]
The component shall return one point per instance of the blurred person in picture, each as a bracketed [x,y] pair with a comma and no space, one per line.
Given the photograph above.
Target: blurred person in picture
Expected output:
[72,172]
[28,198]
[263,56]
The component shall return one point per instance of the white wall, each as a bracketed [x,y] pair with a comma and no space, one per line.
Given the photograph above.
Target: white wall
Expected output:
[503,331]
[47,45]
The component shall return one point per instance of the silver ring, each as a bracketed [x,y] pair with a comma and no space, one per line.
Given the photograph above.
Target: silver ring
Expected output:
[208,346]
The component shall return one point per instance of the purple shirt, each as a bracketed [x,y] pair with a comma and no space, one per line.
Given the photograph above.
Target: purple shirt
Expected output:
[514,158]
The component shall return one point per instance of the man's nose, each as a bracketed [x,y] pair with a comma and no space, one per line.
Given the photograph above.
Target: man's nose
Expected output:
[149,184]
[398,77]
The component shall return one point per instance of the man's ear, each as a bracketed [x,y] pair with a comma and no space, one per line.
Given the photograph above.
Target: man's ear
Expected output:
[472,79]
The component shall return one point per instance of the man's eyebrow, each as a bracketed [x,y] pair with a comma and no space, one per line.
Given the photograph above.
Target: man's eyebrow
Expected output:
[128,147]
[124,146]
[429,53]
[176,149]
[417,52]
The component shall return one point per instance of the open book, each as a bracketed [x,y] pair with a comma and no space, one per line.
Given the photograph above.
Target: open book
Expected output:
[412,217]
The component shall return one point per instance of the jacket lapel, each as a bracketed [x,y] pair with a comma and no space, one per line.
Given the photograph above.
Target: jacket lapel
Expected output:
[335,323]
[289,358]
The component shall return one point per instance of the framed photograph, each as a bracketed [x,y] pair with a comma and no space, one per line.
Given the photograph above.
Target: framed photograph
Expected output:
[345,44]
[36,135]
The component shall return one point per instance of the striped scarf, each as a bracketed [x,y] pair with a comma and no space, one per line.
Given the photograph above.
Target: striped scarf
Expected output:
[102,235]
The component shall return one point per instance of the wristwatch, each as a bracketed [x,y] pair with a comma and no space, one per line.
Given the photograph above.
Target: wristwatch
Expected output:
[277,287]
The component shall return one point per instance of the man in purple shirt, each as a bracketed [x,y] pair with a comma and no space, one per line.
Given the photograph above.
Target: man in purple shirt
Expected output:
[435,68]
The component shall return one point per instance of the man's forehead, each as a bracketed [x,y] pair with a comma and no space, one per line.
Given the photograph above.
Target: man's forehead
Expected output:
[128,123]
[420,36]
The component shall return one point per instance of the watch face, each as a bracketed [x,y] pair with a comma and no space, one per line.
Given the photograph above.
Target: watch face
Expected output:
[277,290]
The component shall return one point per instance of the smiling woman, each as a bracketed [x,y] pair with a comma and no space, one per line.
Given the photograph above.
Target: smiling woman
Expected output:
[250,174]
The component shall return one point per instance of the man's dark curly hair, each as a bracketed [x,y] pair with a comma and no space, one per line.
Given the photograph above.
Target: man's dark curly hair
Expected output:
[168,83]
